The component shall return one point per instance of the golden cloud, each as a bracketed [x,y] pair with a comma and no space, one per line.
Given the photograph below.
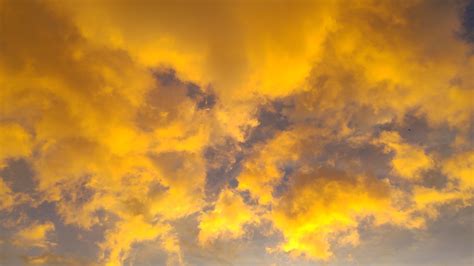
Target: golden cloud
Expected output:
[227,219]
[99,99]
[409,161]
[34,235]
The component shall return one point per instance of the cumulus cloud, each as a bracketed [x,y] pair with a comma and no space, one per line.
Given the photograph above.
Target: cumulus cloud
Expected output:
[408,161]
[136,116]
[227,219]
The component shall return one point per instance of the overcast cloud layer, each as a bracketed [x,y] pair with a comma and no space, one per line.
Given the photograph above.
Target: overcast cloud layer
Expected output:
[236,132]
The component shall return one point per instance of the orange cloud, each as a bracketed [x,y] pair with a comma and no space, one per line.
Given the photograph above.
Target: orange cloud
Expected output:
[97,99]
[408,161]
[34,235]
[227,219]
[15,142]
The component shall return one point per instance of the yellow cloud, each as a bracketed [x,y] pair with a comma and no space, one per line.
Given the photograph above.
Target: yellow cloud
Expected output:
[8,198]
[34,235]
[227,219]
[83,102]
[15,142]
[262,172]
[49,258]
[428,199]
[409,161]
[325,206]
[461,168]
[199,47]
[135,229]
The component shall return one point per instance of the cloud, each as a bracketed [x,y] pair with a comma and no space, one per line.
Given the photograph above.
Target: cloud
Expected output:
[53,259]
[409,161]
[81,102]
[118,108]
[8,197]
[34,235]
[15,142]
[227,219]
[118,242]
[468,22]
[263,170]
[324,206]
[460,168]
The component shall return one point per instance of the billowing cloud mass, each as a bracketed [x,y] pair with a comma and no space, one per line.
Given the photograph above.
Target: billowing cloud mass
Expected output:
[236,132]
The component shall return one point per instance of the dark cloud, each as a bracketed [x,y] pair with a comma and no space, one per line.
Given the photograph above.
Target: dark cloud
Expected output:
[446,241]
[271,119]
[203,99]
[19,176]
[223,165]
[225,159]
[468,22]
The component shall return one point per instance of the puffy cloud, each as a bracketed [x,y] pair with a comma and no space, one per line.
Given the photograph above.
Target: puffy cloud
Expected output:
[227,219]
[325,205]
[114,106]
[82,104]
[409,161]
[317,207]
[458,190]
[460,168]
[34,235]
[427,200]
[118,242]
[9,198]
[263,170]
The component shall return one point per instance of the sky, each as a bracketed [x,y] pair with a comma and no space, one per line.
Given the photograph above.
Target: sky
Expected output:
[236,132]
